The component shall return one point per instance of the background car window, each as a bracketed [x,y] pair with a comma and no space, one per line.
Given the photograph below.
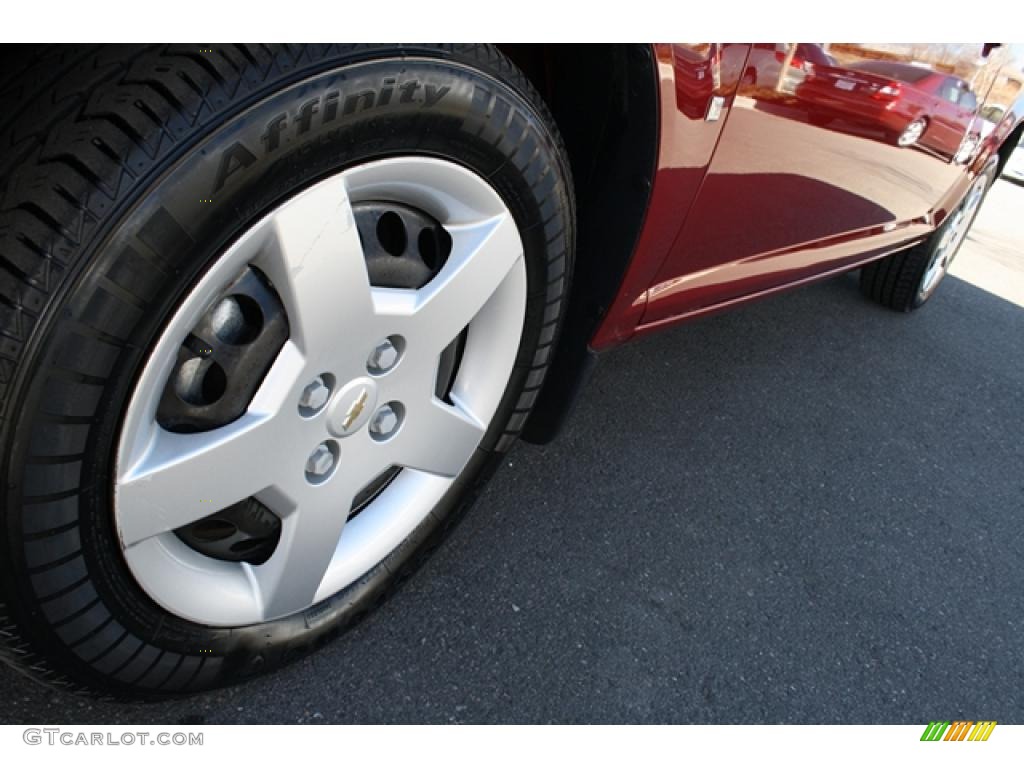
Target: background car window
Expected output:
[950,90]
[906,73]
[814,54]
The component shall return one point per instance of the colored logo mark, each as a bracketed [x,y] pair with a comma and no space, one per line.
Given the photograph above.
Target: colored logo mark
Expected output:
[958,730]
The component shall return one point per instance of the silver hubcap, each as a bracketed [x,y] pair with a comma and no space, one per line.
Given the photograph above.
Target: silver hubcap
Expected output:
[912,132]
[952,237]
[350,397]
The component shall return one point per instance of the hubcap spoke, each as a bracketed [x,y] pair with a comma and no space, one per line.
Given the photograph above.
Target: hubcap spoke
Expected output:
[289,580]
[313,256]
[185,477]
[175,479]
[312,529]
[482,254]
[436,438]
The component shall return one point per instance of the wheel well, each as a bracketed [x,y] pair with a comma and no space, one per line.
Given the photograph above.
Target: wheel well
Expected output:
[604,99]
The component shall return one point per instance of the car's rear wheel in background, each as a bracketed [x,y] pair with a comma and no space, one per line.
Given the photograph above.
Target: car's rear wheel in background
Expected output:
[269,317]
[905,280]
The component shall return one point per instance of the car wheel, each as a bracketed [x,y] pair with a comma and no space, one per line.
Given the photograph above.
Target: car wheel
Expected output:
[913,132]
[907,279]
[270,316]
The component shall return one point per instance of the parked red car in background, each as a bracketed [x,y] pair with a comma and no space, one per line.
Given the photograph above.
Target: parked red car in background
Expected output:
[909,104]
[270,316]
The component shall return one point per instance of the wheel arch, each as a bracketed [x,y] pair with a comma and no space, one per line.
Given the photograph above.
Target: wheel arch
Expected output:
[604,99]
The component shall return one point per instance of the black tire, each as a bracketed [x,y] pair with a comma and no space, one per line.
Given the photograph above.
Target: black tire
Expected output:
[896,281]
[97,246]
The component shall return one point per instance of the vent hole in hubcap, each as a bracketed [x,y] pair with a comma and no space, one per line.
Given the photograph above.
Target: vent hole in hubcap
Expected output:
[213,529]
[237,320]
[391,233]
[200,381]
[404,247]
[244,532]
[435,244]
[223,359]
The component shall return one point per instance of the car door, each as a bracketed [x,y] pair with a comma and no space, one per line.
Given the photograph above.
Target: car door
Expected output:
[952,118]
[807,180]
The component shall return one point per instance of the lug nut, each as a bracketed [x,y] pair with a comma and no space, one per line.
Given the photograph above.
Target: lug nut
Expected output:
[383,357]
[320,462]
[384,422]
[315,395]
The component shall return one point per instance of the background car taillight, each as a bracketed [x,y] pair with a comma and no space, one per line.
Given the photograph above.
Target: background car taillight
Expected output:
[797,62]
[887,93]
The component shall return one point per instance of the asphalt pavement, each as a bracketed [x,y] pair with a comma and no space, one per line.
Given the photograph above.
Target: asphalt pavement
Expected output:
[807,510]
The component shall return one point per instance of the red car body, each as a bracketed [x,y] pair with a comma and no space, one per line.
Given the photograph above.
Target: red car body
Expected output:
[775,191]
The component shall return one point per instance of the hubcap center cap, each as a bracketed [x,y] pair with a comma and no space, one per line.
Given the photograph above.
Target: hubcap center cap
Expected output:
[352,407]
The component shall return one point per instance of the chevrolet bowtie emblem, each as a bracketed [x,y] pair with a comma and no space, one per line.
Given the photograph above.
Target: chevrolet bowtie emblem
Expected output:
[355,409]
